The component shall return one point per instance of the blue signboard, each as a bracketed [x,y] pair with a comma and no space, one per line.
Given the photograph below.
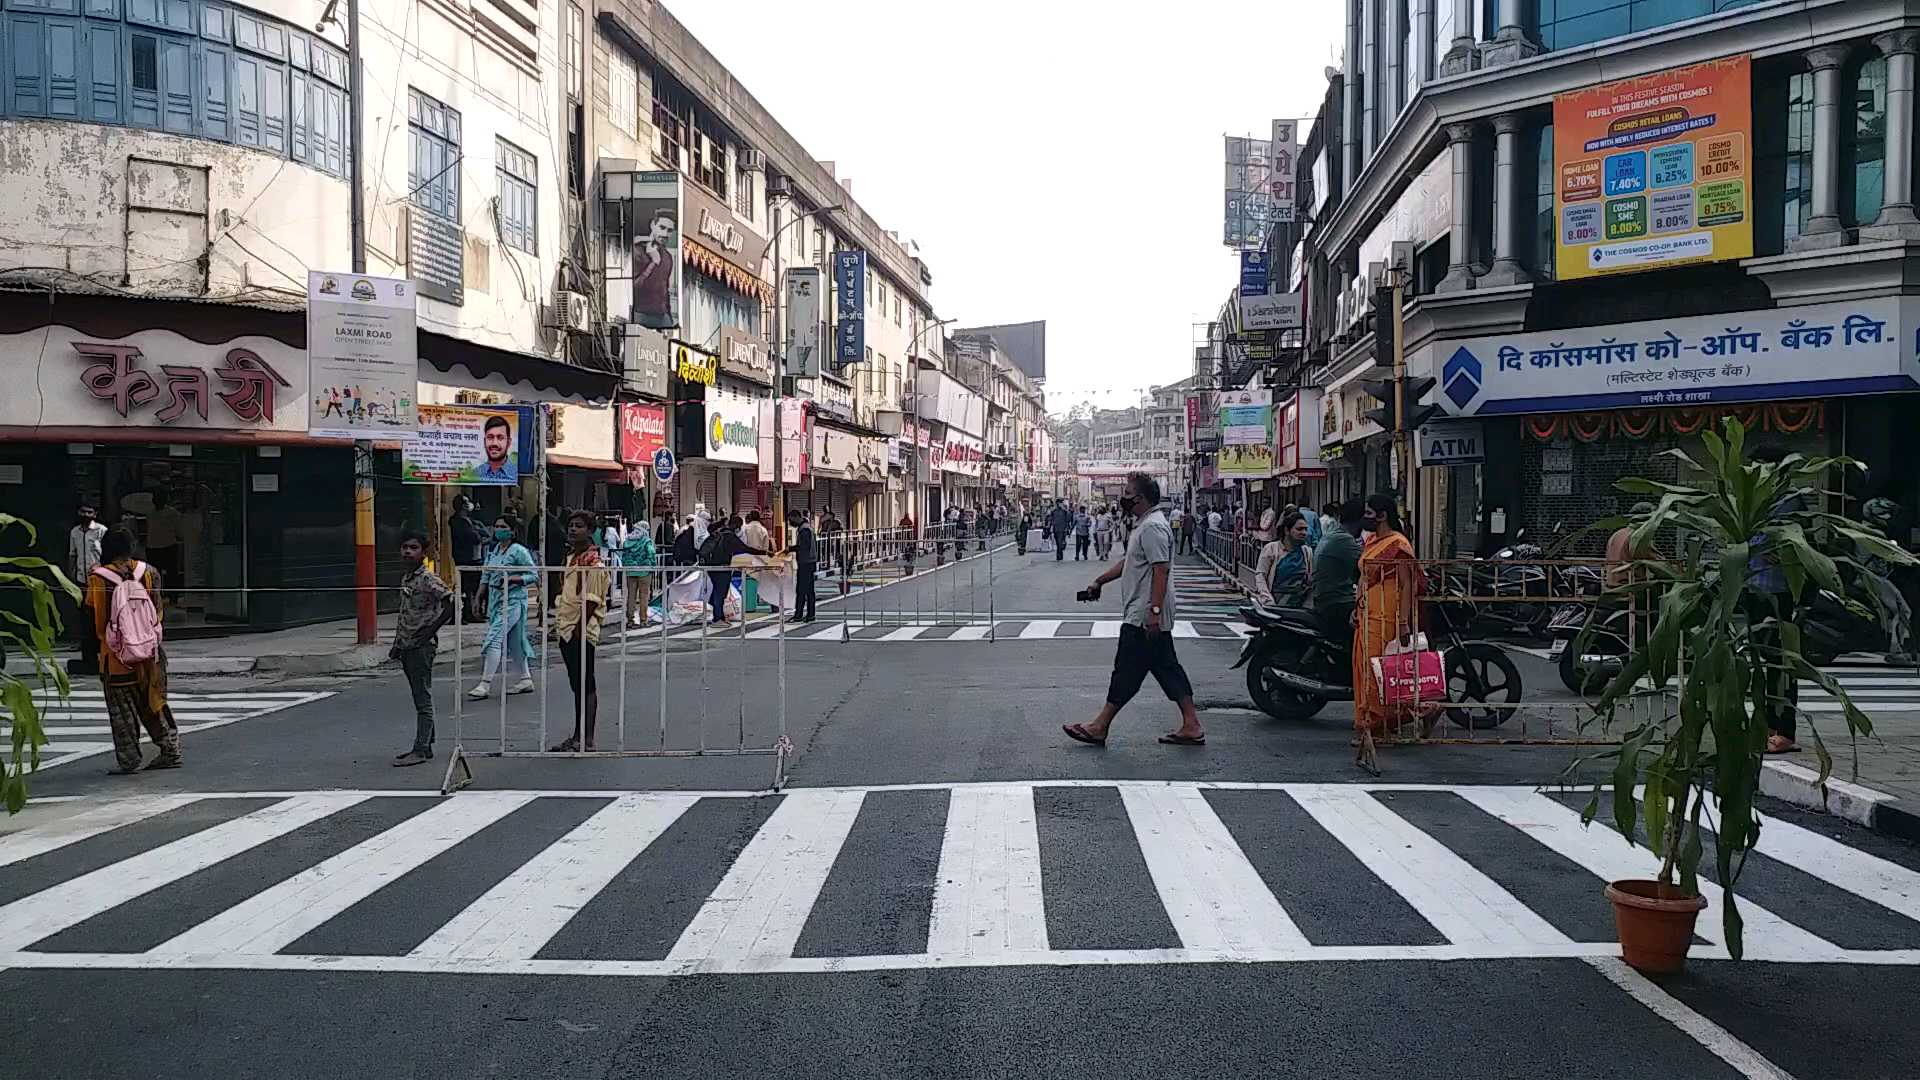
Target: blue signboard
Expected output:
[850,307]
[663,464]
[1253,273]
[1626,174]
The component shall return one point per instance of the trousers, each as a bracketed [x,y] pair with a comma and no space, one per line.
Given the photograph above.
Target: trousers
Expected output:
[1141,654]
[417,663]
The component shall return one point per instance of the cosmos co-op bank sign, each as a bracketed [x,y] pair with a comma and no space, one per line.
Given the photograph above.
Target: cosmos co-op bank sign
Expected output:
[732,430]
[1822,350]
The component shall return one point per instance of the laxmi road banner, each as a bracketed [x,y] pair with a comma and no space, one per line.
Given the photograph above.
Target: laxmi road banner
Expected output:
[1819,350]
[363,365]
[1654,171]
[466,444]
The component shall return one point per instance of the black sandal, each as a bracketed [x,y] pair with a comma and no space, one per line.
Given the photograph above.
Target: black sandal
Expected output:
[1079,733]
[1174,738]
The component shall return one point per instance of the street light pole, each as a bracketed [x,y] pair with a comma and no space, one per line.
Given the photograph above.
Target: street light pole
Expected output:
[776,349]
[366,607]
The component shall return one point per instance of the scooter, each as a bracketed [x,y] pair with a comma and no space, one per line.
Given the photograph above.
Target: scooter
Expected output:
[1588,659]
[1294,667]
[1832,626]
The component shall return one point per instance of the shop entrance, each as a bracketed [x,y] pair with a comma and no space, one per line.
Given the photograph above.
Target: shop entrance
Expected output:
[187,513]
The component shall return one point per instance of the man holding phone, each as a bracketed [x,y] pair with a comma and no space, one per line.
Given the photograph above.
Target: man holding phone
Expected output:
[1146,632]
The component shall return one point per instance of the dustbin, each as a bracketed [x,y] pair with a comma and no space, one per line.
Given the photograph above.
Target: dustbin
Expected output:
[750,597]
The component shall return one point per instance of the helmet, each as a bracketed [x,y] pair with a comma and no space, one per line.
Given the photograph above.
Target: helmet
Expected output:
[1880,512]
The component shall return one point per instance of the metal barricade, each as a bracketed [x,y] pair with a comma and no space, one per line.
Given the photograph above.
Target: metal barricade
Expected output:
[705,702]
[1491,622]
[947,580]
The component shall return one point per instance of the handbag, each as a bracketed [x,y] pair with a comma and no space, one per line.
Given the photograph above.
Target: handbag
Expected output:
[1410,671]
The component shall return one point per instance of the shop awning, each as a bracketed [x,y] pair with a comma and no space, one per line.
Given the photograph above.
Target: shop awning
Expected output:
[448,361]
[596,464]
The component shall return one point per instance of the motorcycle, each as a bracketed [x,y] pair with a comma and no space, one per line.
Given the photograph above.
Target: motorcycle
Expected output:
[1294,667]
[1588,658]
[1517,606]
[1834,624]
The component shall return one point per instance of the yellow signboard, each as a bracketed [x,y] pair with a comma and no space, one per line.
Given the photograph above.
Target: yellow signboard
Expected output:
[1654,171]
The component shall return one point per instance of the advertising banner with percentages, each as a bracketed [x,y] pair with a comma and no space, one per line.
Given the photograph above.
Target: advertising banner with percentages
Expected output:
[1654,171]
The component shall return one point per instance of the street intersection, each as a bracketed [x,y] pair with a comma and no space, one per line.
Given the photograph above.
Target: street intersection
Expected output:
[947,888]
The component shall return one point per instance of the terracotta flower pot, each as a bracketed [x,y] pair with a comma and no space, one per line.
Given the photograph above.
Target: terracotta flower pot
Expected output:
[1655,923]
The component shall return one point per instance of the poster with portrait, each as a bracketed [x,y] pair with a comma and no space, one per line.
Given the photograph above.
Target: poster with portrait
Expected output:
[465,444]
[653,223]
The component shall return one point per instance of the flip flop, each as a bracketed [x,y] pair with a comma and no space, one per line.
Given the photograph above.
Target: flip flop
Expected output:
[1079,733]
[1174,738]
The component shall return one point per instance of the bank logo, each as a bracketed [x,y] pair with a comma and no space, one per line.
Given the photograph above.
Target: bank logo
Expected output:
[1460,377]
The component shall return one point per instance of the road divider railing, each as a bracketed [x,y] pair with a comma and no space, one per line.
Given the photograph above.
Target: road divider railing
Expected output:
[673,693]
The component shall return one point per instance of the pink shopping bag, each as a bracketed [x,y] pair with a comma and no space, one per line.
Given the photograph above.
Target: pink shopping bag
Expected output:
[1413,675]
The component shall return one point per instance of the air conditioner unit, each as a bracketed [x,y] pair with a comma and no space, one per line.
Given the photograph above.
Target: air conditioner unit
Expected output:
[571,311]
[753,159]
[1402,256]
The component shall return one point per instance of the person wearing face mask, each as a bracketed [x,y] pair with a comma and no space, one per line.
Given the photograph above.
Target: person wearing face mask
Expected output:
[509,569]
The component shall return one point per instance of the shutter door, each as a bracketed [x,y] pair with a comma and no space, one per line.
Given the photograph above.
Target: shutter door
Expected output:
[747,492]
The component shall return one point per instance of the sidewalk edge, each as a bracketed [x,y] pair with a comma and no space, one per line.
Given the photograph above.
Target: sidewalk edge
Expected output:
[1857,803]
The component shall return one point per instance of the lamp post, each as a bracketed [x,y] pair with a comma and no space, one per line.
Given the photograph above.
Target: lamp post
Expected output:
[776,348]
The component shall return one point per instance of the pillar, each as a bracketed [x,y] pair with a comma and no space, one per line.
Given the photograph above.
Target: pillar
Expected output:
[1461,56]
[1460,265]
[1824,229]
[1394,91]
[1512,203]
[1511,43]
[1423,47]
[1373,75]
[1350,121]
[1897,220]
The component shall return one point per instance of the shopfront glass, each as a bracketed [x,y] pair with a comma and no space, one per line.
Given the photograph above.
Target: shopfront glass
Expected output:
[186,515]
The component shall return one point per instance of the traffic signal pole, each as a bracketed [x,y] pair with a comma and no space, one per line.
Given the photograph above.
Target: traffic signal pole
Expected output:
[1402,442]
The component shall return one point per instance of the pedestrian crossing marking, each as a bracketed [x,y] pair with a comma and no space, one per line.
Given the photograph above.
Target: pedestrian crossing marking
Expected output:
[74,727]
[1030,629]
[990,894]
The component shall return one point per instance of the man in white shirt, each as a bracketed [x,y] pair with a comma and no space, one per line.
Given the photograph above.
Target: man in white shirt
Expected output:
[1213,521]
[83,545]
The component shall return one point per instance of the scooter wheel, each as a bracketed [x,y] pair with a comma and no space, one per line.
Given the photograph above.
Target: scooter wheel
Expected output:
[1271,697]
[1481,672]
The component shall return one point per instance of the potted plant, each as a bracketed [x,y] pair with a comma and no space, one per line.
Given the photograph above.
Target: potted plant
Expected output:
[1755,545]
[31,634]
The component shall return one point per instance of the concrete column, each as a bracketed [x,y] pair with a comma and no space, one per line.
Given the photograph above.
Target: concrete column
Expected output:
[1350,121]
[1825,230]
[1511,43]
[1395,91]
[1897,220]
[1423,23]
[1370,49]
[1460,264]
[1461,56]
[1507,267]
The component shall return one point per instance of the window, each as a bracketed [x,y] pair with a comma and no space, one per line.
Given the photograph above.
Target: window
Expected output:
[707,156]
[672,113]
[570,63]
[896,309]
[1543,235]
[743,194]
[623,93]
[186,67]
[433,134]
[1796,194]
[518,176]
[1868,141]
[1567,23]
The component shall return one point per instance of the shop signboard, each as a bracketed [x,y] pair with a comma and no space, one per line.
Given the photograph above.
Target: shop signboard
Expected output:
[467,444]
[1276,311]
[645,356]
[1245,418]
[1654,171]
[643,430]
[962,454]
[695,365]
[835,453]
[155,378]
[745,355]
[1820,350]
[1298,425]
[363,356]
[1253,273]
[850,308]
[732,430]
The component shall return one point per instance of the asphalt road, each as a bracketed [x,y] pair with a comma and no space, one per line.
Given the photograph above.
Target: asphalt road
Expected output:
[949,888]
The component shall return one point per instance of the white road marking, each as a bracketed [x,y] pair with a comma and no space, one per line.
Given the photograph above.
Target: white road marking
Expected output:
[1717,1040]
[521,913]
[969,633]
[1212,894]
[1039,629]
[1460,901]
[1888,884]
[271,920]
[69,903]
[54,835]
[905,633]
[756,913]
[987,899]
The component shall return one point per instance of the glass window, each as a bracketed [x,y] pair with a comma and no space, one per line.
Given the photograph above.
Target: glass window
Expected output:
[570,50]
[1869,140]
[518,176]
[1797,192]
[433,129]
[1564,24]
[623,94]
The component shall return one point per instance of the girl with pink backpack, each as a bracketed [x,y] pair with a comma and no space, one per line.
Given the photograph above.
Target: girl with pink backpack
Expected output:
[123,597]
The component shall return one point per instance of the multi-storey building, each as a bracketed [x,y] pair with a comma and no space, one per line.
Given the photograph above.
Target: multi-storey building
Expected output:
[1617,226]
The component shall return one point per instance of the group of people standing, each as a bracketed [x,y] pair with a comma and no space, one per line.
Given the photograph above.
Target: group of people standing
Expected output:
[1091,530]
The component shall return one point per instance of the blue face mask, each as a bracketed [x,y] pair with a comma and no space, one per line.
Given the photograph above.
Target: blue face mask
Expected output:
[502,535]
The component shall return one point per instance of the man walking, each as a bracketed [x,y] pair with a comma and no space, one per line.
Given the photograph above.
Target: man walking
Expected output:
[124,602]
[426,605]
[576,622]
[83,554]
[1146,630]
[1059,523]
[1082,533]
[806,559]
[469,545]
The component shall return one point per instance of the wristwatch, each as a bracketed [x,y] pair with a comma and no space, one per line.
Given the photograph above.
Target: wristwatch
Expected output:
[1155,609]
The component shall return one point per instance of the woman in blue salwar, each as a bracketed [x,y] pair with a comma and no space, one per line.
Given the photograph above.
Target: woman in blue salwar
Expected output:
[507,571]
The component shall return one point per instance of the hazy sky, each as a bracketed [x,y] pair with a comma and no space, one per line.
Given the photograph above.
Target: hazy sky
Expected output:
[1055,160]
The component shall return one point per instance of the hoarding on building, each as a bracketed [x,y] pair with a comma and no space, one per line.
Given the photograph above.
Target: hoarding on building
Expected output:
[1820,350]
[649,251]
[1245,418]
[363,356]
[1248,203]
[850,308]
[793,451]
[466,444]
[805,287]
[1297,428]
[1654,171]
[643,430]
[732,431]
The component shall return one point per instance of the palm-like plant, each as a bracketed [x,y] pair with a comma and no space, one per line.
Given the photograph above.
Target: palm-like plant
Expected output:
[1753,543]
[33,634]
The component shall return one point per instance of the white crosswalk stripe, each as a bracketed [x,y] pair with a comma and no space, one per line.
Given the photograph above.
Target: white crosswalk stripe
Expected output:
[997,889]
[1013,627]
[77,727]
[1874,689]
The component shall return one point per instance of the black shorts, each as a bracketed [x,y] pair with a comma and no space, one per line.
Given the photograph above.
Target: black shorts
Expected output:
[578,654]
[1139,655]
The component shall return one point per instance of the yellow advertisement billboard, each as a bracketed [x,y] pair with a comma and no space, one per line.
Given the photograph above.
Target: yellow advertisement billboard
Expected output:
[1654,171]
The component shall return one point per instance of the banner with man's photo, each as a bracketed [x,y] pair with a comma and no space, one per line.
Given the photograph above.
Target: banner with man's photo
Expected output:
[643,247]
[468,444]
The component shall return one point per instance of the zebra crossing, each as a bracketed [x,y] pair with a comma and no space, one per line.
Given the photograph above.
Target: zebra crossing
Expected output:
[898,877]
[1203,593]
[77,727]
[1023,626]
[1874,688]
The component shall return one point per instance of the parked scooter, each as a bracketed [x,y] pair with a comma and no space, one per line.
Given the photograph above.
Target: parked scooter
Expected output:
[1588,658]
[1294,667]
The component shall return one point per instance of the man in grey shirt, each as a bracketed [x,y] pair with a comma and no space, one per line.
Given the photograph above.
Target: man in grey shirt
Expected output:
[1146,630]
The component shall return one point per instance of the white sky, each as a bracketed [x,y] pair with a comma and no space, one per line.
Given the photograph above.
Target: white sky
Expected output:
[1055,159]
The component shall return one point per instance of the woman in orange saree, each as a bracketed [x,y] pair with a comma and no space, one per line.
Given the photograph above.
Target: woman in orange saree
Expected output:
[1390,588]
